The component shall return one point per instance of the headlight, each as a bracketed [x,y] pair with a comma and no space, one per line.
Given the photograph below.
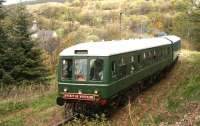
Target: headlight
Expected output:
[79,91]
[96,92]
[65,89]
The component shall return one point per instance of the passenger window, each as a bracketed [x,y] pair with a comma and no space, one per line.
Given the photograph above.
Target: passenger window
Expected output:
[113,69]
[122,62]
[96,69]
[161,52]
[132,59]
[81,69]
[165,51]
[66,69]
[144,56]
[139,59]
[154,54]
[149,54]
[168,50]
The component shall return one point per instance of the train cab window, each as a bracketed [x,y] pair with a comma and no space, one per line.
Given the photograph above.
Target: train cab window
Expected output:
[96,69]
[66,69]
[80,69]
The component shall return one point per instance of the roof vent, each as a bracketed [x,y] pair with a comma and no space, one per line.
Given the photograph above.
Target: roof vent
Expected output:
[81,51]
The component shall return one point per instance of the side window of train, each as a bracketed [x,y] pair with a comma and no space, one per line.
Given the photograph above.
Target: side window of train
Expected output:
[139,59]
[161,52]
[139,64]
[132,59]
[114,69]
[122,62]
[154,54]
[168,50]
[144,55]
[132,65]
[150,55]
[122,68]
[164,52]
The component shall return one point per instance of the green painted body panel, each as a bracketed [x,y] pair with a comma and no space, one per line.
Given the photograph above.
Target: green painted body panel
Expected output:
[110,86]
[129,80]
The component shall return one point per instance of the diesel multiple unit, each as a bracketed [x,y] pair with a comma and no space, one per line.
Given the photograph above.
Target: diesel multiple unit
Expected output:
[97,72]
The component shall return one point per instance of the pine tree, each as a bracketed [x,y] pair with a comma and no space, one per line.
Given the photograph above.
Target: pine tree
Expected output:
[3,41]
[22,60]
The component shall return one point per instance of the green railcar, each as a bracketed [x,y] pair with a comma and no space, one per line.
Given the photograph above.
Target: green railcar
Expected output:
[97,72]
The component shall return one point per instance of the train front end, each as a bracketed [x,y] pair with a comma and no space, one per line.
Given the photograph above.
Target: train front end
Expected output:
[82,78]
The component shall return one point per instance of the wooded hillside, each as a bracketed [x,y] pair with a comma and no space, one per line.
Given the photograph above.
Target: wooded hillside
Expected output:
[78,21]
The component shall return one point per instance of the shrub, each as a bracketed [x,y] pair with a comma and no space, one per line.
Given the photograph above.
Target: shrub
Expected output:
[93,38]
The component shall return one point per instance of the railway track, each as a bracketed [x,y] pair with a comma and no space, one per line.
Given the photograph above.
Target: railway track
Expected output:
[65,120]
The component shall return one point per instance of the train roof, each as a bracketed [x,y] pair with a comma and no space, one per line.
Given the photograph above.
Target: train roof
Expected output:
[108,48]
[172,38]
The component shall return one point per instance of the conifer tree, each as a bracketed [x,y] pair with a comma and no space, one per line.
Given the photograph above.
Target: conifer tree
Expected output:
[3,42]
[30,66]
[22,60]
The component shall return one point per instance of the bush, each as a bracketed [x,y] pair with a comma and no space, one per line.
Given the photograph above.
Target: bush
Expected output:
[112,32]
[141,7]
[93,38]
[7,79]
[110,5]
[52,11]
[138,23]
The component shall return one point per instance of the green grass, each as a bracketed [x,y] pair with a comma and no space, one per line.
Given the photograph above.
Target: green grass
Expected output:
[44,102]
[11,107]
[188,88]
[198,123]
[13,122]
[185,89]
[36,105]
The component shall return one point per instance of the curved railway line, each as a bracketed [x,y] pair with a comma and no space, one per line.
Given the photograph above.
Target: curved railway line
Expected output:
[65,120]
